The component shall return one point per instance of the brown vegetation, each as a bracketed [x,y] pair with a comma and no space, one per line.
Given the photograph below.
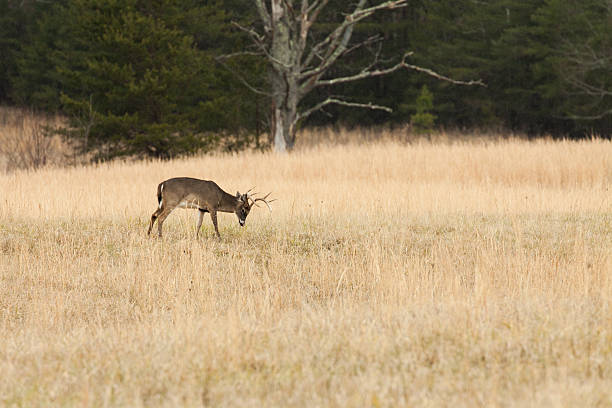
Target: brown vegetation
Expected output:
[389,274]
[27,140]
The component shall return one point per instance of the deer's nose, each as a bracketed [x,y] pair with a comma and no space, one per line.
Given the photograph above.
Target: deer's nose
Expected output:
[241,223]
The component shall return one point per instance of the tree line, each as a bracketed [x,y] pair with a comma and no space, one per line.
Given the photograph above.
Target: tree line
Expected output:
[167,77]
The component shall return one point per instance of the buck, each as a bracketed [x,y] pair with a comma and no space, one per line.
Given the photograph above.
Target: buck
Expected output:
[203,195]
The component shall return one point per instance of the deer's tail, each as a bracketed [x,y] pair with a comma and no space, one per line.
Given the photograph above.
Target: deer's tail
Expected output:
[160,189]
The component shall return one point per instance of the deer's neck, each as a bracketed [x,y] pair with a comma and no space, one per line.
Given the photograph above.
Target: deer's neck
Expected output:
[228,203]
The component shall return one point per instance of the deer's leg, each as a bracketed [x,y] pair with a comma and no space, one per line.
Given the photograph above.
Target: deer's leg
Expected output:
[200,218]
[213,216]
[153,218]
[161,218]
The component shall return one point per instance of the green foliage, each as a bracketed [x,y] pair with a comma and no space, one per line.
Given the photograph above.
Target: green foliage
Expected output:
[15,17]
[129,75]
[578,53]
[423,120]
[141,78]
[8,42]
[522,50]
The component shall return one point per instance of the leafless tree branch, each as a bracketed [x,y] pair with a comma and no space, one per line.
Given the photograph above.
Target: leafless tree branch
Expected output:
[590,117]
[299,63]
[259,41]
[587,88]
[375,39]
[442,77]
[328,101]
[239,54]
[335,43]
[221,60]
[403,64]
[264,15]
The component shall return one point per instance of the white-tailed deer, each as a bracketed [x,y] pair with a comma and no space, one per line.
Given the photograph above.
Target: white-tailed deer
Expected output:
[203,195]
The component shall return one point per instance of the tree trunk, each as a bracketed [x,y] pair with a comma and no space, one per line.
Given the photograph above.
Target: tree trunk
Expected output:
[280,142]
[284,118]
[283,78]
[298,65]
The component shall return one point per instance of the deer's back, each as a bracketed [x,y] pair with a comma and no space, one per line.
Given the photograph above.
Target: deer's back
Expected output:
[188,188]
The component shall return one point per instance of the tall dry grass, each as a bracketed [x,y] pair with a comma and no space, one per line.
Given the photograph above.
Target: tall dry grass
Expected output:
[27,140]
[465,274]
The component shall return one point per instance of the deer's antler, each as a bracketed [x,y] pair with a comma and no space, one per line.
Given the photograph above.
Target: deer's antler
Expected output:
[264,199]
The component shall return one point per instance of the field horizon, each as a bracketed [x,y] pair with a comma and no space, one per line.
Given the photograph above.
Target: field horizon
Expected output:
[468,273]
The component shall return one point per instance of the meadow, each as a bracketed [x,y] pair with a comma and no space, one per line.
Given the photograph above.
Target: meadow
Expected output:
[452,273]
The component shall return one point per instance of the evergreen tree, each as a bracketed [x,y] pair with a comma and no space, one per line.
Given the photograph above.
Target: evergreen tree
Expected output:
[577,52]
[8,42]
[130,75]
[423,120]
[147,78]
[15,19]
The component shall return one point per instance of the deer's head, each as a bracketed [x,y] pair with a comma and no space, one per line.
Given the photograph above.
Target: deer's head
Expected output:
[243,208]
[246,202]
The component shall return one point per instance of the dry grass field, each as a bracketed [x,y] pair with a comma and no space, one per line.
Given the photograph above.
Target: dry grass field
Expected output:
[388,274]
[26,140]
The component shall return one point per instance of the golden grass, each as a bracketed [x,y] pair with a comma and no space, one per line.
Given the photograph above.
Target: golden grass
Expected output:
[27,140]
[466,274]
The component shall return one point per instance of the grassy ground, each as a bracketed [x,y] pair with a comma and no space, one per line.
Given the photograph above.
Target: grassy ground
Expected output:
[467,274]
[27,140]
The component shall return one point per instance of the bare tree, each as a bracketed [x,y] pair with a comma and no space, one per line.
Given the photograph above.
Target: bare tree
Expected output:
[299,64]
[579,52]
[28,141]
[587,66]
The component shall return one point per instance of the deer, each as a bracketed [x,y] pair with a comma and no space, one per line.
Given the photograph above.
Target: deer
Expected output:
[205,196]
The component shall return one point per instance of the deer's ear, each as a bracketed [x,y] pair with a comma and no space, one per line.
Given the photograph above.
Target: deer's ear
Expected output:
[237,194]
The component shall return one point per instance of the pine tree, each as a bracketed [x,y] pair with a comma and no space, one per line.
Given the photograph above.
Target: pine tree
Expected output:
[577,51]
[423,120]
[132,76]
